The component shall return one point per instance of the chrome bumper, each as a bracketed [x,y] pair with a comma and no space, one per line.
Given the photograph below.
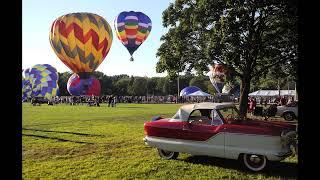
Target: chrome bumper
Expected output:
[284,154]
[145,140]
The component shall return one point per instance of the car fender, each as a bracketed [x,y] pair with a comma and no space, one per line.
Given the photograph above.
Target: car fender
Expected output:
[288,111]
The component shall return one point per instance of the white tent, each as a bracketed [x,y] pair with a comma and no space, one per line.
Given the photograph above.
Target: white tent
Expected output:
[199,93]
[272,93]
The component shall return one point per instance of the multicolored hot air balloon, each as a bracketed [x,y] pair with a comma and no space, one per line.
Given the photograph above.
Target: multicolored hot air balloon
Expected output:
[89,86]
[217,75]
[81,41]
[40,81]
[132,29]
[26,89]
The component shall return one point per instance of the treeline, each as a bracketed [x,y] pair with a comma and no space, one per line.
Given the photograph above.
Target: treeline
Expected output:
[141,86]
[159,86]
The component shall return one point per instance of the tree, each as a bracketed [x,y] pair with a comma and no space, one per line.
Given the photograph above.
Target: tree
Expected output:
[106,85]
[161,86]
[139,87]
[199,81]
[121,86]
[62,83]
[248,37]
[152,83]
[210,88]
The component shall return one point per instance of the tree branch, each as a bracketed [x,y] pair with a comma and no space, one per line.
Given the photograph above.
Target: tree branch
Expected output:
[265,68]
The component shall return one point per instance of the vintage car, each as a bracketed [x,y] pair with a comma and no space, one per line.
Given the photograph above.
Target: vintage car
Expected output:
[215,129]
[289,112]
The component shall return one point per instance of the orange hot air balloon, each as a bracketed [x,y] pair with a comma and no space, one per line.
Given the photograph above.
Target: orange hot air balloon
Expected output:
[81,40]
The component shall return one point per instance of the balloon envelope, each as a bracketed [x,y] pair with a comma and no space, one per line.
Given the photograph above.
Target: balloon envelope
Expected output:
[132,29]
[40,81]
[81,40]
[217,77]
[189,90]
[79,86]
[26,89]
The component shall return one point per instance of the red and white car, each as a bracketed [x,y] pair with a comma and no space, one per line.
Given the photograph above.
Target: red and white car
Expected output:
[214,129]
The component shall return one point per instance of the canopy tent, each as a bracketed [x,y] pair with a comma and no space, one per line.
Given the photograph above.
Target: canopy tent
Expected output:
[193,91]
[188,90]
[199,93]
[272,93]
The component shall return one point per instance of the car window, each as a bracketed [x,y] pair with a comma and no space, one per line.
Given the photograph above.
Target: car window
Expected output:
[177,115]
[216,120]
[229,112]
[201,117]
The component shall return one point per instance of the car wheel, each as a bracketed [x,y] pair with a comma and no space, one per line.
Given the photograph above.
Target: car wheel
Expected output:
[254,162]
[289,116]
[167,154]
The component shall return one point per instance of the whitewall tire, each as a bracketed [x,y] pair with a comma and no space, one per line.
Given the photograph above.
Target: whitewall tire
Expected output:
[254,162]
[167,154]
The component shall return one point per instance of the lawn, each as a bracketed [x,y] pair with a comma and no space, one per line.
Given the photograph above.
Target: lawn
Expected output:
[84,142]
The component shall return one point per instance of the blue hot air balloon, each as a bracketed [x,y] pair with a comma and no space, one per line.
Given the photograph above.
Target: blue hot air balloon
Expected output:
[42,79]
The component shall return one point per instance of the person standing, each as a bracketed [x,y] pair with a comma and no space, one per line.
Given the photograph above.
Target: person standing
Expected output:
[114,102]
[110,100]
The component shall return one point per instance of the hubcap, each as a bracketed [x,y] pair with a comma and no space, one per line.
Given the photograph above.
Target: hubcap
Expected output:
[289,116]
[254,162]
[255,159]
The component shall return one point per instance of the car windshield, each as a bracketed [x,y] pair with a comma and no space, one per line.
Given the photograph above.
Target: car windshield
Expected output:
[229,113]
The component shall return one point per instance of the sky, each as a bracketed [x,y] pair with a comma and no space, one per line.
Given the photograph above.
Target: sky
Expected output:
[38,15]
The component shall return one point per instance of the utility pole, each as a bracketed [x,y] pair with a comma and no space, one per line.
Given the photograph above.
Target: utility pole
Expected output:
[147,86]
[279,87]
[178,88]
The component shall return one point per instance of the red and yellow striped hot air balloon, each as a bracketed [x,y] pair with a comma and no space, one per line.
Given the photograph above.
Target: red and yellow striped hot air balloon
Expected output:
[81,40]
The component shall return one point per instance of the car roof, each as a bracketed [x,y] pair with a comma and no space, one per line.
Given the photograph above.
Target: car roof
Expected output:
[206,105]
[185,110]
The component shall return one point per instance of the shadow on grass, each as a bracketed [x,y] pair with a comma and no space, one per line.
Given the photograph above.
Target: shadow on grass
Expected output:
[282,169]
[66,122]
[75,133]
[54,138]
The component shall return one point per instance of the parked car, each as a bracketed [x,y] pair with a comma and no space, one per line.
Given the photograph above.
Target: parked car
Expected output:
[289,112]
[215,129]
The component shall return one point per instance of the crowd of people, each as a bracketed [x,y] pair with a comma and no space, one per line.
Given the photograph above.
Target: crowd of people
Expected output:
[112,100]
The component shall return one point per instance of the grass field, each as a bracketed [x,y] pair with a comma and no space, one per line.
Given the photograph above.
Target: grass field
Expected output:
[106,143]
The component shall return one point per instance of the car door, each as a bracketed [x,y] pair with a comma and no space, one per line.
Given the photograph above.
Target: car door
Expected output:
[203,138]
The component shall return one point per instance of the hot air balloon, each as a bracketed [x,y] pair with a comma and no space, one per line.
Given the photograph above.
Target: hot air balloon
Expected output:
[132,29]
[217,75]
[81,41]
[26,89]
[89,86]
[40,81]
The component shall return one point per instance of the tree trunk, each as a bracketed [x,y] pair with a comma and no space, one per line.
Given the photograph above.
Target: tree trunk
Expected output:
[244,91]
